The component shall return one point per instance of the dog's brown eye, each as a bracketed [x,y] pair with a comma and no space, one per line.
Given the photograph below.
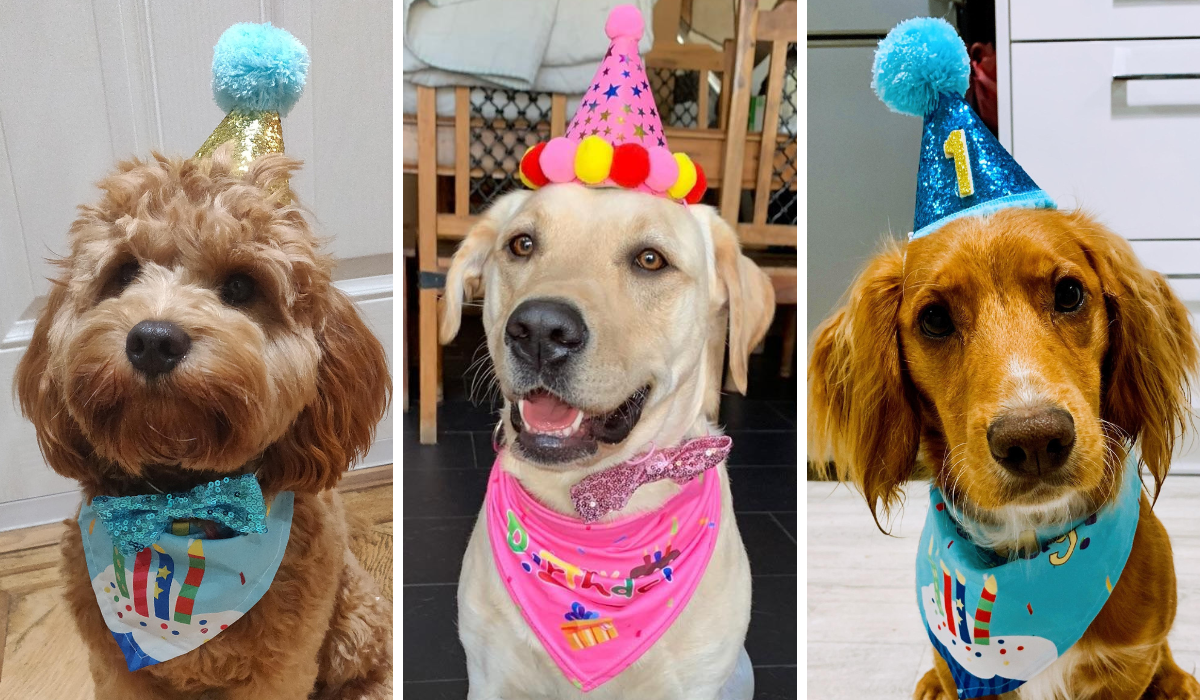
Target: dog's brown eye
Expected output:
[936,323]
[238,289]
[127,273]
[650,259]
[521,245]
[1068,295]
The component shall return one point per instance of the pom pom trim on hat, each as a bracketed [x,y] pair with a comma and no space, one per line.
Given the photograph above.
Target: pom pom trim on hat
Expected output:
[530,168]
[918,61]
[630,166]
[594,161]
[258,68]
[699,188]
[624,22]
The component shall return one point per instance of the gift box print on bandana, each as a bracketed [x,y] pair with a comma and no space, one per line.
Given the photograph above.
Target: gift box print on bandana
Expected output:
[597,595]
[194,581]
[998,623]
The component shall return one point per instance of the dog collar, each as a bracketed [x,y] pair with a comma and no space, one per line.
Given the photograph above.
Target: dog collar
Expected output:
[597,596]
[998,623]
[188,586]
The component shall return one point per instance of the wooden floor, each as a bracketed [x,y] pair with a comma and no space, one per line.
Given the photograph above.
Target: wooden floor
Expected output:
[865,636]
[43,657]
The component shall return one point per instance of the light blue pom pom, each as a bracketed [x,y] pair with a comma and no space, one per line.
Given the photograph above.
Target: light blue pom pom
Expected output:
[258,67]
[920,59]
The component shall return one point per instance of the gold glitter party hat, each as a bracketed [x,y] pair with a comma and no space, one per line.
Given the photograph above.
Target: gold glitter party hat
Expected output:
[259,72]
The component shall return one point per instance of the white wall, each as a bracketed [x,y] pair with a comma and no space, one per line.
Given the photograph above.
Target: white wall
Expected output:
[85,83]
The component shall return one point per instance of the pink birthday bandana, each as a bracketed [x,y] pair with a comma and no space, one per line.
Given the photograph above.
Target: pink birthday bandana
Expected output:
[599,595]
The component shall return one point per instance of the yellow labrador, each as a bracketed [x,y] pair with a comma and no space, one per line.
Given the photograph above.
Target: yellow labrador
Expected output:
[626,298]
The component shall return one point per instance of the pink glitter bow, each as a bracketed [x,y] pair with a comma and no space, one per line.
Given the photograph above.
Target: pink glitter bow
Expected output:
[603,492]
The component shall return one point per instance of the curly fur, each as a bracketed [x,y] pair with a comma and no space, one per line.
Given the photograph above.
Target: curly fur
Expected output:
[291,381]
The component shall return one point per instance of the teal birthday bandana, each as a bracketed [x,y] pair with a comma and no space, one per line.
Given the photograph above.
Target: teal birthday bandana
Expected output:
[182,567]
[998,623]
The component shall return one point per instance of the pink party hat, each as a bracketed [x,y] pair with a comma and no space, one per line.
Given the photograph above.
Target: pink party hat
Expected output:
[616,138]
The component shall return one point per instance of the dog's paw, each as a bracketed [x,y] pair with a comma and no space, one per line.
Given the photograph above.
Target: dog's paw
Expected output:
[1174,685]
[930,687]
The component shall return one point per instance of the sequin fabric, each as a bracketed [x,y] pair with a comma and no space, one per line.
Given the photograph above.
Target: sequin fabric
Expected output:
[136,522]
[604,492]
[999,182]
[254,134]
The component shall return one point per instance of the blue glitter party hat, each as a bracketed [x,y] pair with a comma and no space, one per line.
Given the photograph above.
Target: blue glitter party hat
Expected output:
[922,69]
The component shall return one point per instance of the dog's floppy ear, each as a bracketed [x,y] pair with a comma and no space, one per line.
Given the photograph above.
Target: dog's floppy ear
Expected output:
[464,281]
[860,408]
[1152,350]
[747,291]
[42,401]
[337,427]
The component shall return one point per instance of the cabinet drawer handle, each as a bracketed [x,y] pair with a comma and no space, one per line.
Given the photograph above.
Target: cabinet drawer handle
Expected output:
[1157,76]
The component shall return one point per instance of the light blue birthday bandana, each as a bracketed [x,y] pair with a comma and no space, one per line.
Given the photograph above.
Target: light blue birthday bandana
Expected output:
[998,623]
[191,582]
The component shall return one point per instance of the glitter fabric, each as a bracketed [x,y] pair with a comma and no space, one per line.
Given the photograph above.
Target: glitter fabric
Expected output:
[136,522]
[998,182]
[253,133]
[603,492]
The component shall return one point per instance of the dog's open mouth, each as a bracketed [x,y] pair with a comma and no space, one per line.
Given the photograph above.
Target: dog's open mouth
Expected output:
[552,431]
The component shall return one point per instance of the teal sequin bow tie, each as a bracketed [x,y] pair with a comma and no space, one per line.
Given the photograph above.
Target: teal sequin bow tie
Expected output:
[135,522]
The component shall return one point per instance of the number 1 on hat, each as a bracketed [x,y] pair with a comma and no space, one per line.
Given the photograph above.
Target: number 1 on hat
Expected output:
[956,147]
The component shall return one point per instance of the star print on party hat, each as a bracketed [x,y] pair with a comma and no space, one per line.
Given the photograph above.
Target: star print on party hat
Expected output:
[922,69]
[616,138]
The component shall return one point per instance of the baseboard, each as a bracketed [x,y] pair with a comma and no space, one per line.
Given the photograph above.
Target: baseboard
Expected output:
[366,478]
[379,454]
[30,512]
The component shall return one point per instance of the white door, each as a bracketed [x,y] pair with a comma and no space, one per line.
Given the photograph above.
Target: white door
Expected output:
[86,83]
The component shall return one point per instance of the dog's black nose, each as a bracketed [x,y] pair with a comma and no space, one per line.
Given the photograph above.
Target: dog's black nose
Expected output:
[1032,442]
[155,347]
[545,332]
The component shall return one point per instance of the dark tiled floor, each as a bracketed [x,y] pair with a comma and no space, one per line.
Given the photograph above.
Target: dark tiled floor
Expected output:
[444,486]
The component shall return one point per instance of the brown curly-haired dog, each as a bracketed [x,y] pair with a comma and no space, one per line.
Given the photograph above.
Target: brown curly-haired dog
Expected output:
[253,361]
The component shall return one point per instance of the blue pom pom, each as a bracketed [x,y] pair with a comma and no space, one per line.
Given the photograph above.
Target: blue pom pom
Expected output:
[258,67]
[920,59]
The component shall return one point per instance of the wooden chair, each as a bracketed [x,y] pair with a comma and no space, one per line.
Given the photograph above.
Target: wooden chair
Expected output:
[771,236]
[477,151]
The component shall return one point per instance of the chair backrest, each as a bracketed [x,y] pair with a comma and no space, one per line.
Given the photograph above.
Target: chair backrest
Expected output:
[772,218]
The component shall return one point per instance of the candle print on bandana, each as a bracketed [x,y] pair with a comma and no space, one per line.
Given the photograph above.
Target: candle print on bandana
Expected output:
[192,583]
[598,595]
[998,623]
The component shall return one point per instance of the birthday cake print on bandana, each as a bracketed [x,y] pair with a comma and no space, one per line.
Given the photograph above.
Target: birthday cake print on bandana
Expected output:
[166,593]
[998,622]
[598,594]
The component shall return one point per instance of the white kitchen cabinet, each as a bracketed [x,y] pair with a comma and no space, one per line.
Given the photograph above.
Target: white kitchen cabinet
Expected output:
[1125,149]
[1100,103]
[1049,20]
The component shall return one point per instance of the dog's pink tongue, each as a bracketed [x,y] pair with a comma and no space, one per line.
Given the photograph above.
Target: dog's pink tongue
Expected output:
[544,413]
